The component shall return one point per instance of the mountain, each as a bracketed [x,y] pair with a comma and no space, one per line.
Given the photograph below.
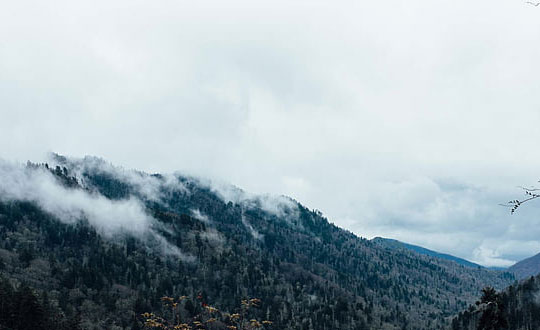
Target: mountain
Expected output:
[395,244]
[515,308]
[85,244]
[527,267]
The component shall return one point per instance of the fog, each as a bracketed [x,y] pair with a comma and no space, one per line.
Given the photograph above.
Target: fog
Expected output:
[69,205]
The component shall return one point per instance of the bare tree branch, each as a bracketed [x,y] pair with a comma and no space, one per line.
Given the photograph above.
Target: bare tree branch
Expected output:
[514,204]
[529,189]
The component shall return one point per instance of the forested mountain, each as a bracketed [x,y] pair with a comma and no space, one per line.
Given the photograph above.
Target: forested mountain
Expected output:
[526,267]
[94,246]
[515,308]
[395,244]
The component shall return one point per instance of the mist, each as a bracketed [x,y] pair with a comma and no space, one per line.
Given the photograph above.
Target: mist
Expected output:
[70,205]
[111,217]
[279,206]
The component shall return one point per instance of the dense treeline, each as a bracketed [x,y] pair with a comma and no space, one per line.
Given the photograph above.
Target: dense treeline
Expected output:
[515,308]
[308,273]
[21,308]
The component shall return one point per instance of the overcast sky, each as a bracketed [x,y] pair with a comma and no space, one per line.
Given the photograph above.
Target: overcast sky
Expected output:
[407,119]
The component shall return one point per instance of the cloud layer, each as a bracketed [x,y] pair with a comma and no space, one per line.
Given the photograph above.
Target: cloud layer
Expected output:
[410,118]
[69,205]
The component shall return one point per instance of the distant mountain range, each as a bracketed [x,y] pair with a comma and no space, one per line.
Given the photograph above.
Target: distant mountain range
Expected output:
[527,267]
[395,244]
[514,308]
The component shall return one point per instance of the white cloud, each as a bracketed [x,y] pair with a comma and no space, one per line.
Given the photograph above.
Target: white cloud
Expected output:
[252,231]
[150,187]
[197,214]
[280,206]
[486,256]
[213,237]
[70,205]
[359,109]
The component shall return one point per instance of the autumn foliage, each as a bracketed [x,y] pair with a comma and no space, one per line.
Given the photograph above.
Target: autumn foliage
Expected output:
[209,318]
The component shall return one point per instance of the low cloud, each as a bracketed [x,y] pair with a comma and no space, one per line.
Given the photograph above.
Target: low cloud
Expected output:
[254,233]
[109,217]
[197,214]
[279,206]
[492,257]
[453,217]
[149,187]
[214,238]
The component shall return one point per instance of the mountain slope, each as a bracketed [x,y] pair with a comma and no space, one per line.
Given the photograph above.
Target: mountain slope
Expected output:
[106,244]
[395,244]
[515,308]
[527,267]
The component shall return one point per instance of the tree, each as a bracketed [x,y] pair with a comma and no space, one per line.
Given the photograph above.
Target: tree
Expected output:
[493,310]
[489,295]
[209,317]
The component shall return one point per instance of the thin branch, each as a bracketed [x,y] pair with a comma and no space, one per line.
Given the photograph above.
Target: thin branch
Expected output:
[528,199]
[506,205]
[529,189]
[516,203]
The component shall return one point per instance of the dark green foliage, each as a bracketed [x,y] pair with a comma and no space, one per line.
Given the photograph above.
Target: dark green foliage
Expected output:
[20,309]
[492,315]
[516,308]
[26,256]
[489,295]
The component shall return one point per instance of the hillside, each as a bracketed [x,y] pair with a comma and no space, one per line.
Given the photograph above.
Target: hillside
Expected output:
[99,245]
[395,244]
[515,308]
[527,267]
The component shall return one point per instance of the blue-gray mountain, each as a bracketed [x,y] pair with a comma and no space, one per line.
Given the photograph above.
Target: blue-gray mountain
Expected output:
[527,267]
[84,244]
[395,244]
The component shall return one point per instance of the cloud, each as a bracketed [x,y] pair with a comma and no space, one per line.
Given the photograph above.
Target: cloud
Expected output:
[360,109]
[109,217]
[69,205]
[214,237]
[149,187]
[452,217]
[486,256]
[197,214]
[279,206]
[495,252]
[254,233]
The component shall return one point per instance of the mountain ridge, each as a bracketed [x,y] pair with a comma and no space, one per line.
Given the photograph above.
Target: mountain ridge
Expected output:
[393,243]
[526,267]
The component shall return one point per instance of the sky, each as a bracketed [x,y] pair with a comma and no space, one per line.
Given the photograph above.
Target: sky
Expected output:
[404,119]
